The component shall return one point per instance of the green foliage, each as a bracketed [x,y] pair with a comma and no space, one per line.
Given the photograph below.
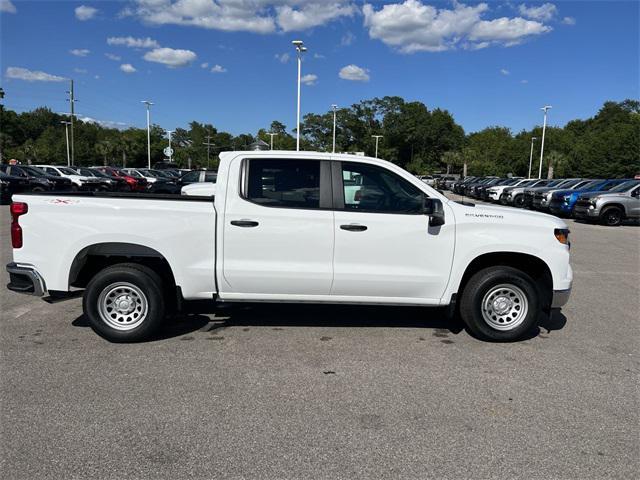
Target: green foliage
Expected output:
[420,139]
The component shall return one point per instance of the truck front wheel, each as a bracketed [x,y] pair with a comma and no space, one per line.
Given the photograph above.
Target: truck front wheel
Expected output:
[124,303]
[500,303]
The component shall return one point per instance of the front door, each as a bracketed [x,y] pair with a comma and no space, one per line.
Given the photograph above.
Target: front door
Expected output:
[278,229]
[384,246]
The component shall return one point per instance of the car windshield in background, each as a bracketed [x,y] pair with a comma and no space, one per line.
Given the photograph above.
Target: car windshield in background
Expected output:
[133,173]
[67,171]
[33,171]
[625,186]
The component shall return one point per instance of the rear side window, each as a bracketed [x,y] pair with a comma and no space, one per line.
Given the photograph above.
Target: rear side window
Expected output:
[284,183]
[191,176]
[210,177]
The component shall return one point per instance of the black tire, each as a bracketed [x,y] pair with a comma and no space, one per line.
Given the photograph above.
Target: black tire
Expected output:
[518,201]
[481,284]
[611,216]
[147,287]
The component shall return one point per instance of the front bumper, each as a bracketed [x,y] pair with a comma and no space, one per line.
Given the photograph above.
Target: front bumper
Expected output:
[25,279]
[560,298]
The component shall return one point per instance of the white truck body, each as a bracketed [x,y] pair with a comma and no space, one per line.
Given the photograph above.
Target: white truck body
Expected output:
[294,254]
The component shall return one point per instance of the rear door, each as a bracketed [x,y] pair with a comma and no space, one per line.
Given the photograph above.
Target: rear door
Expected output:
[278,229]
[384,246]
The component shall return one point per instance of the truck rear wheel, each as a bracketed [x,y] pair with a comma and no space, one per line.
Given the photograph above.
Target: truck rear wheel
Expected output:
[500,304]
[124,303]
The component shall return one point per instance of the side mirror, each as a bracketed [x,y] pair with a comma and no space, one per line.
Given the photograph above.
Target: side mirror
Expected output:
[433,208]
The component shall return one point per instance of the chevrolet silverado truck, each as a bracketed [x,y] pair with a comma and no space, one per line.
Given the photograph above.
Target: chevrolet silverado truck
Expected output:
[283,226]
[610,207]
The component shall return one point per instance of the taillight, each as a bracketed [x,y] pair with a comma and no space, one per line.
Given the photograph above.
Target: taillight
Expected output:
[17,209]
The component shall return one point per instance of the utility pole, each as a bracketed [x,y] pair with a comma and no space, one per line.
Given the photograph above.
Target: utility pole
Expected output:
[334,107]
[209,145]
[300,49]
[72,101]
[272,135]
[169,132]
[66,131]
[533,139]
[1,113]
[544,128]
[377,137]
[148,104]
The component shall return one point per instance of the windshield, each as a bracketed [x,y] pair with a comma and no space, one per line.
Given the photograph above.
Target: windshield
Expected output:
[33,171]
[67,171]
[133,173]
[590,184]
[624,186]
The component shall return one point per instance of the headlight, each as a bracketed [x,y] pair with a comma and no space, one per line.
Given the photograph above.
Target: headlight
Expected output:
[594,200]
[547,196]
[2,182]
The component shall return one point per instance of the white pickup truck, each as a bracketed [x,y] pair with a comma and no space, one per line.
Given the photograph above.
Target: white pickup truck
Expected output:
[280,228]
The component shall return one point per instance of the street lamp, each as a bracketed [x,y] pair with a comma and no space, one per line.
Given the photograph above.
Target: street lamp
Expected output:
[533,139]
[148,104]
[334,107]
[169,132]
[544,128]
[271,134]
[66,131]
[300,49]
[377,137]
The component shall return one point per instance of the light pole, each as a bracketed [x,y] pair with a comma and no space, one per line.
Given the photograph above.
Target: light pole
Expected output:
[169,132]
[272,135]
[544,128]
[334,107]
[533,139]
[148,104]
[300,49]
[66,131]
[209,145]
[377,137]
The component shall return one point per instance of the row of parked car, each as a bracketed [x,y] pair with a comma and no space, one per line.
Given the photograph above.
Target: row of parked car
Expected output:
[607,201]
[42,178]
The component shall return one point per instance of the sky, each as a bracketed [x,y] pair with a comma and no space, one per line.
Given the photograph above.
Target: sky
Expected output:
[231,62]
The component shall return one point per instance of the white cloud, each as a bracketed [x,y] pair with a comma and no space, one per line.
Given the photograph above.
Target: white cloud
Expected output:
[569,21]
[80,52]
[543,13]
[128,68]
[170,57]
[104,123]
[7,7]
[204,65]
[80,70]
[524,82]
[257,16]
[283,57]
[309,79]
[347,39]
[413,27]
[85,13]
[218,69]
[133,42]
[311,14]
[111,56]
[19,73]
[319,56]
[354,73]
[504,71]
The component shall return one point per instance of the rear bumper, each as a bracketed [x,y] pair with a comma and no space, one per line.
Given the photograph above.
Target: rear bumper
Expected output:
[25,279]
[560,298]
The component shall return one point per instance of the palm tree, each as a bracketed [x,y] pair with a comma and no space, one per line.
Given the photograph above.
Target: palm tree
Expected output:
[104,149]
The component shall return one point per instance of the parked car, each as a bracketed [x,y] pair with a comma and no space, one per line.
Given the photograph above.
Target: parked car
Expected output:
[542,195]
[610,207]
[35,183]
[79,182]
[58,184]
[494,193]
[9,185]
[280,230]
[470,188]
[529,192]
[109,183]
[141,173]
[133,184]
[428,179]
[515,195]
[563,201]
[192,176]
[458,187]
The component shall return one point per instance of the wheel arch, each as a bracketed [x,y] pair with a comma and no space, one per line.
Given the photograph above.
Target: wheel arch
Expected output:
[533,266]
[620,206]
[93,258]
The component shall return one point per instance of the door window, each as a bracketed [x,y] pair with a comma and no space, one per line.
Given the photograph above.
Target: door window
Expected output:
[284,183]
[191,177]
[210,177]
[369,188]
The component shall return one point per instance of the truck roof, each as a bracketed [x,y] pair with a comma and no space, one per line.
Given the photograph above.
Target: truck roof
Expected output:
[343,157]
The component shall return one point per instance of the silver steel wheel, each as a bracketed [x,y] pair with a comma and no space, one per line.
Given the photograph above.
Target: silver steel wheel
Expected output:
[504,307]
[122,306]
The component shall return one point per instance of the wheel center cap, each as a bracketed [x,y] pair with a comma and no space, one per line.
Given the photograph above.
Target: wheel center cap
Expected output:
[124,305]
[502,305]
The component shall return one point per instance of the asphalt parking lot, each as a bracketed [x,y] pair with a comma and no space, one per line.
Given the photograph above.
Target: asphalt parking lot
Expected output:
[332,393]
